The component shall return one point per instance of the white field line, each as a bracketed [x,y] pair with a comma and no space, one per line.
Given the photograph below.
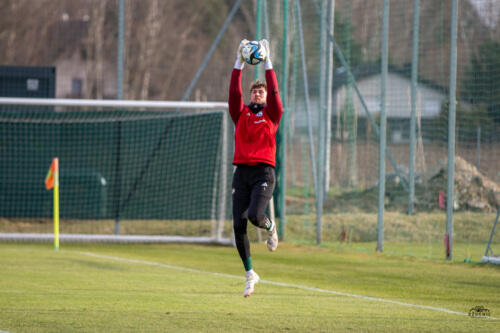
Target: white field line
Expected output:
[281,284]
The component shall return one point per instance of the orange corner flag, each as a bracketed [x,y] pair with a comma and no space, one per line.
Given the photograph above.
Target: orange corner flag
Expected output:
[49,179]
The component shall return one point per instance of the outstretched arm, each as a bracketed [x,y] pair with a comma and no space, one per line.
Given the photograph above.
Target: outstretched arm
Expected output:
[235,95]
[235,101]
[274,104]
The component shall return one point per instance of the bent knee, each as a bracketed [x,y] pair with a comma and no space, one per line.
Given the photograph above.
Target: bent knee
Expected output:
[257,219]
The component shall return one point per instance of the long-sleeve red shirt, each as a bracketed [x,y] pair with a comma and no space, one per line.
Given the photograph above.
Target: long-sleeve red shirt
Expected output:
[254,136]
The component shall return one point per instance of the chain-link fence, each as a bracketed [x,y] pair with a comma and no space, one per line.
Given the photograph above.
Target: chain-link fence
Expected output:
[338,117]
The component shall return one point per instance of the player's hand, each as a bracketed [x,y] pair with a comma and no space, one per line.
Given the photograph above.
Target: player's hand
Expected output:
[265,44]
[240,47]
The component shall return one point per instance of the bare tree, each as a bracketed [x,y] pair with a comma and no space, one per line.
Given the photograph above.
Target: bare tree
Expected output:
[94,51]
[153,28]
[10,51]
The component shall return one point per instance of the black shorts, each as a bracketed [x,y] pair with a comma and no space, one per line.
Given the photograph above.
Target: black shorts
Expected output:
[253,187]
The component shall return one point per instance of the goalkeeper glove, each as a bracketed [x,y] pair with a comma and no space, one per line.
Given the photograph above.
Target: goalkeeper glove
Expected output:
[239,58]
[265,44]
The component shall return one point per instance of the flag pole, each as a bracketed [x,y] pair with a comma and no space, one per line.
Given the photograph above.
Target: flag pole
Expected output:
[52,182]
[56,204]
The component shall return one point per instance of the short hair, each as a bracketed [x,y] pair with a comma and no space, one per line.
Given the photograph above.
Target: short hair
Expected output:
[258,84]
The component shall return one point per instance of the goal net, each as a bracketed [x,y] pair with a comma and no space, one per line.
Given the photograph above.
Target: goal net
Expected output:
[129,171]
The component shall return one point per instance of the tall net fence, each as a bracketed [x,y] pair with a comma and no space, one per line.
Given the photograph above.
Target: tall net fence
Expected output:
[337,116]
[327,55]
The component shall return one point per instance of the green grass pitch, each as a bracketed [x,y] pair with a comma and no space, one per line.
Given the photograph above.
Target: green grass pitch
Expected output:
[195,288]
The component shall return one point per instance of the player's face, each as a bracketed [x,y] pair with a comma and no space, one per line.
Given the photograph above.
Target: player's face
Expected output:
[258,95]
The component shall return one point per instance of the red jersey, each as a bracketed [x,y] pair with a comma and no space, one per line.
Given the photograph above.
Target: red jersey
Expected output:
[254,137]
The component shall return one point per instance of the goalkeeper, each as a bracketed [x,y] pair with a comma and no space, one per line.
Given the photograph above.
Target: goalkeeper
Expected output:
[254,157]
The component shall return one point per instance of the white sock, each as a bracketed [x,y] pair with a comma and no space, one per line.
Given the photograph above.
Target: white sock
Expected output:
[250,272]
[272,225]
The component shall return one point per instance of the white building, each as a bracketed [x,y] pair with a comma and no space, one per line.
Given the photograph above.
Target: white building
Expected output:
[430,99]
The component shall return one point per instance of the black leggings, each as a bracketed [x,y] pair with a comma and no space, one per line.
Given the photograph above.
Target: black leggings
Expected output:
[253,187]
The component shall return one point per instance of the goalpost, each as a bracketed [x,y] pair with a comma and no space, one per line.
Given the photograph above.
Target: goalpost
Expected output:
[489,255]
[130,171]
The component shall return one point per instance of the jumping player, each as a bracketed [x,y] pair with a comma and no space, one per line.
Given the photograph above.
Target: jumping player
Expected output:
[254,157]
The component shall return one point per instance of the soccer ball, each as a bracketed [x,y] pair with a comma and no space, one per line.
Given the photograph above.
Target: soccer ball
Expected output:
[253,53]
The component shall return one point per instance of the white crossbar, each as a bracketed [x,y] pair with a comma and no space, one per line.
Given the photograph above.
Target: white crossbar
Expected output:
[112,103]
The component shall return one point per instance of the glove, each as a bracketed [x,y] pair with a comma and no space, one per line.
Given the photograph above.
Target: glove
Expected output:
[268,63]
[239,59]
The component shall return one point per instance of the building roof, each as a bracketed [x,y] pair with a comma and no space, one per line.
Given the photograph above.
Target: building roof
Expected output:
[367,70]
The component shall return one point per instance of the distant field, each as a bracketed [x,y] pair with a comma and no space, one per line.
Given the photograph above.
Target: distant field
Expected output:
[419,235]
[191,288]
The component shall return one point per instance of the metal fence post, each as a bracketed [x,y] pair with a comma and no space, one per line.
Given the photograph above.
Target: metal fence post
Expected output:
[413,111]
[119,90]
[283,127]
[309,121]
[383,126]
[451,131]
[258,21]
